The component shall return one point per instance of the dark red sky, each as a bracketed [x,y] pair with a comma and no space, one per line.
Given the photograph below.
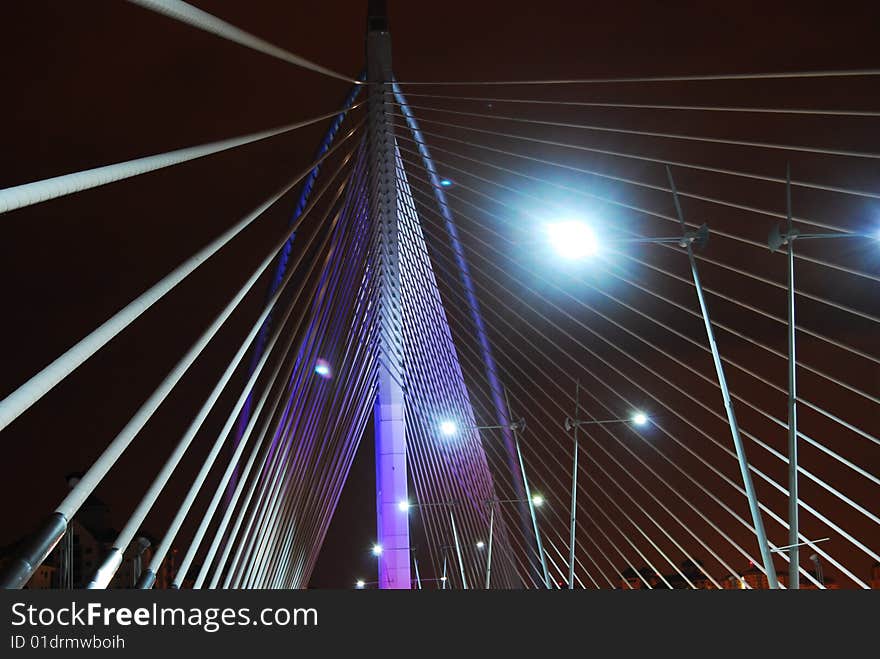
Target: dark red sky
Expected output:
[92,83]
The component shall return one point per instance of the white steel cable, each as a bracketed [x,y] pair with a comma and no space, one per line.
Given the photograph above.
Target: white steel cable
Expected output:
[652,106]
[661,78]
[753,469]
[39,384]
[668,136]
[28,194]
[137,517]
[186,13]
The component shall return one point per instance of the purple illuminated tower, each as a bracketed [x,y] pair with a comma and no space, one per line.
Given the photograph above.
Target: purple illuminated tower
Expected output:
[390,422]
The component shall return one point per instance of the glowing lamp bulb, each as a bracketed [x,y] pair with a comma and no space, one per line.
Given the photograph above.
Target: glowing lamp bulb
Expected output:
[537,500]
[359,584]
[640,418]
[573,240]
[377,550]
[448,428]
[403,506]
[445,182]
[480,544]
[322,368]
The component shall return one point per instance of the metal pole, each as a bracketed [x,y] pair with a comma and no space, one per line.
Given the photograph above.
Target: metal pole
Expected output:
[491,533]
[818,563]
[794,549]
[416,566]
[574,480]
[522,467]
[766,556]
[389,415]
[458,550]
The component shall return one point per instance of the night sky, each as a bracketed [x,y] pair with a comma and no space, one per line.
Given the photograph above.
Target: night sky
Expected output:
[91,83]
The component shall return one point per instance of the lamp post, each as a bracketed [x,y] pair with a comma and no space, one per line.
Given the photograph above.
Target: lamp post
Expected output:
[416,568]
[404,506]
[637,418]
[534,501]
[489,553]
[449,428]
[776,240]
[574,480]
[522,465]
[689,240]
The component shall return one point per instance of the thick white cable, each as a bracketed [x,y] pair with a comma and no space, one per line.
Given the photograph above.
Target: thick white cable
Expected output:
[28,194]
[38,385]
[186,13]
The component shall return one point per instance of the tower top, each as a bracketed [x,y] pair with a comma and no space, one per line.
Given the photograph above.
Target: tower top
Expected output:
[377,16]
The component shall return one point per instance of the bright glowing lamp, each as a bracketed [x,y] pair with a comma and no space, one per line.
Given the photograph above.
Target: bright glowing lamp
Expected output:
[572,240]
[322,368]
[537,500]
[448,428]
[359,584]
[403,506]
[377,550]
[640,418]
[445,182]
[480,544]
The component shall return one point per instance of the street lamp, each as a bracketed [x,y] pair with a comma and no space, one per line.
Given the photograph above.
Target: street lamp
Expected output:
[322,368]
[448,428]
[377,550]
[748,484]
[576,240]
[572,239]
[534,501]
[360,584]
[776,240]
[637,418]
[689,240]
[404,506]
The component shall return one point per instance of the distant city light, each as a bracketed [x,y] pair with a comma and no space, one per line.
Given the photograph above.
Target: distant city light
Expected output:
[377,550]
[538,500]
[322,368]
[480,544]
[572,240]
[445,182]
[448,428]
[640,418]
[359,584]
[403,506]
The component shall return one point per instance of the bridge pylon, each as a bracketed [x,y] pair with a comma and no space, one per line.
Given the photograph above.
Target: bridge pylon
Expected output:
[389,412]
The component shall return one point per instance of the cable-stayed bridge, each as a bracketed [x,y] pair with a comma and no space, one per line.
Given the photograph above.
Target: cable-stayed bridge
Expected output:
[584,349]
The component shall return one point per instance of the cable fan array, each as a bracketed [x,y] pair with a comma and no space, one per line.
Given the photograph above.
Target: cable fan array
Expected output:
[501,343]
